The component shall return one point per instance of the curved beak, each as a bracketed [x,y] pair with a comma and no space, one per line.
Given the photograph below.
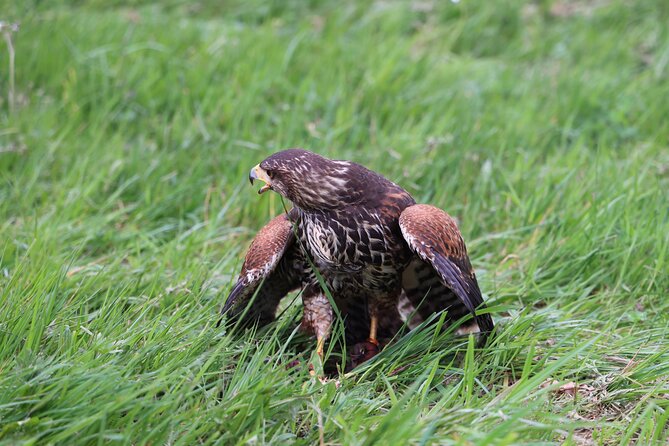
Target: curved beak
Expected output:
[258,173]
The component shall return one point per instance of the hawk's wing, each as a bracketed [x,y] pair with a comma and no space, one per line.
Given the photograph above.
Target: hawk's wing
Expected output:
[440,277]
[269,272]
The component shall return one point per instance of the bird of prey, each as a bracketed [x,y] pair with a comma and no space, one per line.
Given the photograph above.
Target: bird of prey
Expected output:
[384,260]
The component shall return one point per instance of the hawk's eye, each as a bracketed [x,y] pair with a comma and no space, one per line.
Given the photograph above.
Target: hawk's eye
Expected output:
[270,173]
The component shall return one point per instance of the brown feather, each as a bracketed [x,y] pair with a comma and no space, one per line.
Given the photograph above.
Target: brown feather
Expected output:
[271,269]
[434,236]
[374,249]
[268,245]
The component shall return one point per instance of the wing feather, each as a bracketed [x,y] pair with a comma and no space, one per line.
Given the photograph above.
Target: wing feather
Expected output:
[270,271]
[434,237]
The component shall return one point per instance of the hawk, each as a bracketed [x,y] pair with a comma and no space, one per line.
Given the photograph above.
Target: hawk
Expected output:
[384,260]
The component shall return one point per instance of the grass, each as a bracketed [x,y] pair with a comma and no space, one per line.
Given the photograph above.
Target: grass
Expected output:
[125,213]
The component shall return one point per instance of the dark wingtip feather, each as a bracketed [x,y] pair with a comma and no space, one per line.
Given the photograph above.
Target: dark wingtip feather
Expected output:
[232,298]
[466,289]
[485,322]
[451,274]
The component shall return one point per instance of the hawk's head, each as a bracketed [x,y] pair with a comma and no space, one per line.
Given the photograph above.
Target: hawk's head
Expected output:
[309,180]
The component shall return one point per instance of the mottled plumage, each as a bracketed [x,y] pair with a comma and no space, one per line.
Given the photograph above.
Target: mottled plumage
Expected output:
[383,257]
[272,261]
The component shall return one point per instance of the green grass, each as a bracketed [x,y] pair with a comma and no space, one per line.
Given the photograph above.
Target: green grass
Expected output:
[125,213]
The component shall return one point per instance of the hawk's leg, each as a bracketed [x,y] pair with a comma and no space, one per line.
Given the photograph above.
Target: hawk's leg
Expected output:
[366,350]
[384,323]
[320,344]
[373,322]
[317,318]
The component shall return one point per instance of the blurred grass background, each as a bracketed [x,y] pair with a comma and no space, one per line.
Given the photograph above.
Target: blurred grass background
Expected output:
[124,214]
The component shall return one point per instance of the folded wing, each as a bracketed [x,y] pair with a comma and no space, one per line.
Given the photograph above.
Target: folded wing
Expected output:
[270,271]
[440,277]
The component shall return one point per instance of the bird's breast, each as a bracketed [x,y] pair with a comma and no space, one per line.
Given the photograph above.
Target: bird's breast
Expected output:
[351,242]
[326,242]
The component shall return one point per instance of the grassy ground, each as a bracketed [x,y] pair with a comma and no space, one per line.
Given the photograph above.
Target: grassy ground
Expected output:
[125,212]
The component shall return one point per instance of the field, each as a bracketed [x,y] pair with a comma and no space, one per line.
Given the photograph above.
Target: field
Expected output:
[125,212]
